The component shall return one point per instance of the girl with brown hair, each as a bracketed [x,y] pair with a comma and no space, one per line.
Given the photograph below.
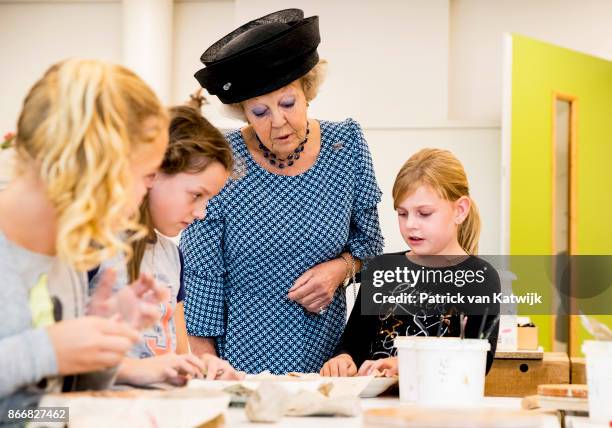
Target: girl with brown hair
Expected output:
[195,167]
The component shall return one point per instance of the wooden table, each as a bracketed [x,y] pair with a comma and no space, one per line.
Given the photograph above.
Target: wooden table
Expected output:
[237,417]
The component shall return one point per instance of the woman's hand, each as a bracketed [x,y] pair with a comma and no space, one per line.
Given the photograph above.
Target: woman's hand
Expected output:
[385,366]
[341,365]
[137,304]
[90,344]
[172,368]
[315,288]
[216,368]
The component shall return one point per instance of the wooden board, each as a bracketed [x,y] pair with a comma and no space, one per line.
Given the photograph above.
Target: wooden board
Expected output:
[563,390]
[419,417]
[521,377]
[566,404]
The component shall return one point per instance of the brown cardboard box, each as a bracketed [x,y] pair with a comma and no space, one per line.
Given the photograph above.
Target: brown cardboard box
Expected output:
[528,338]
[518,377]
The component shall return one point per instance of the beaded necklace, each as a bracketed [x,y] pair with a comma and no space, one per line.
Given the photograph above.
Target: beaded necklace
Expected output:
[289,160]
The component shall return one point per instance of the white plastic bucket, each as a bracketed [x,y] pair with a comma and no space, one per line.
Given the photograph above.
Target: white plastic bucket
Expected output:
[598,355]
[406,361]
[442,371]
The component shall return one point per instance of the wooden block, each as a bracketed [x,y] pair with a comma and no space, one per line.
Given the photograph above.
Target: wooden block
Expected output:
[520,355]
[578,370]
[521,377]
[527,338]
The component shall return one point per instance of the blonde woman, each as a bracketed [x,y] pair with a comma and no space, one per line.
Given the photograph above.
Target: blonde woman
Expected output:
[89,138]
[440,222]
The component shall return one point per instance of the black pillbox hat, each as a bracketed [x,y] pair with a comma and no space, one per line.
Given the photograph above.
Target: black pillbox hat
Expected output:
[261,56]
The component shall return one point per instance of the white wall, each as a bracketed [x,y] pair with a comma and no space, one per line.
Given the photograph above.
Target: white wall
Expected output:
[196,26]
[388,60]
[476,30]
[397,66]
[391,62]
[477,147]
[373,75]
[147,42]
[38,34]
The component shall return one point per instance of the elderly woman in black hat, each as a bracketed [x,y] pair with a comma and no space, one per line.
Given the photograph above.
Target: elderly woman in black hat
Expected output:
[264,271]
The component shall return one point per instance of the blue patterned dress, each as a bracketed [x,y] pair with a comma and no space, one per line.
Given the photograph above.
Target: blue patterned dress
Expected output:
[260,234]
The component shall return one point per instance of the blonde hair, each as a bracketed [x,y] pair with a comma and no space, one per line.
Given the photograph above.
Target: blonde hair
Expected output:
[441,170]
[77,127]
[310,82]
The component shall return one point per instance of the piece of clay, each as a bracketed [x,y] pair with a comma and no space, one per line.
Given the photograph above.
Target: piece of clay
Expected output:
[267,403]
[308,403]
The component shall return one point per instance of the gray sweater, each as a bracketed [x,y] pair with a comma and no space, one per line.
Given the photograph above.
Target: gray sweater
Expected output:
[26,352]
